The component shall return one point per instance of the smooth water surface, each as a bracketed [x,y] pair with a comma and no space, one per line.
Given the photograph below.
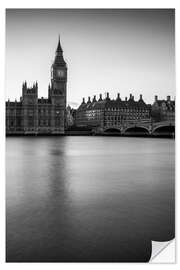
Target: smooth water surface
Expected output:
[88,198]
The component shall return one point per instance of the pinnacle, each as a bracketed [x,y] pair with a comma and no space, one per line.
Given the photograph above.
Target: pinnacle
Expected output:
[59,49]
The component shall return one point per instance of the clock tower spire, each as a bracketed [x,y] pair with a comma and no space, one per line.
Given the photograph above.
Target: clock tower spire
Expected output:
[59,48]
[57,90]
[59,59]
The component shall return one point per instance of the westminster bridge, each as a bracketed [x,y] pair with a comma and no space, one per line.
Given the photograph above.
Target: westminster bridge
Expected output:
[139,128]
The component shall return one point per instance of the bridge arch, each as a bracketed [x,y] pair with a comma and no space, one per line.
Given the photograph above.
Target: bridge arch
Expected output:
[164,130]
[141,130]
[136,131]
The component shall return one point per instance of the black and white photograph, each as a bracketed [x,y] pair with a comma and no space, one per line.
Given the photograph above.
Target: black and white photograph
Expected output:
[90,100]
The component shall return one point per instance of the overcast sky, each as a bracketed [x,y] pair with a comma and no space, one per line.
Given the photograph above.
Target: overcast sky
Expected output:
[126,51]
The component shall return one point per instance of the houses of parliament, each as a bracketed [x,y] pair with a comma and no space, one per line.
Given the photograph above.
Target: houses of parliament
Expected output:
[33,115]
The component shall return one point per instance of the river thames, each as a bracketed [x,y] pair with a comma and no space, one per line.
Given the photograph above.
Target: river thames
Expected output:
[88,198]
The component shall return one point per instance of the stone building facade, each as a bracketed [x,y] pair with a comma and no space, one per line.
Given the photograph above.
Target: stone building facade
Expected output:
[163,110]
[107,113]
[33,115]
[69,116]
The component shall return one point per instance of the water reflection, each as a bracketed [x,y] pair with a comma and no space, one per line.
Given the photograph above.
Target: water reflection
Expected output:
[88,198]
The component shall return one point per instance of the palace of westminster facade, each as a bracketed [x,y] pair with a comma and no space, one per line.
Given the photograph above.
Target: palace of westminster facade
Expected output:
[32,115]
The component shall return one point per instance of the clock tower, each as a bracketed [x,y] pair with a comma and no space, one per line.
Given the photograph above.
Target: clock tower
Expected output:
[57,91]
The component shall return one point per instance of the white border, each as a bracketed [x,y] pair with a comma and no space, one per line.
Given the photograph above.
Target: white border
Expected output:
[75,4]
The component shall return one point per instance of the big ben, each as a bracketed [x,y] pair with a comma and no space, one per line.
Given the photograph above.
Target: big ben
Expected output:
[57,91]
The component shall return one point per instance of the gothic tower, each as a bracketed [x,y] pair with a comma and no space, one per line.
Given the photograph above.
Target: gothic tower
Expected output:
[57,91]
[30,107]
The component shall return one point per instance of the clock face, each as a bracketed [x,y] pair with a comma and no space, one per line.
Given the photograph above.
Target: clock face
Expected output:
[60,73]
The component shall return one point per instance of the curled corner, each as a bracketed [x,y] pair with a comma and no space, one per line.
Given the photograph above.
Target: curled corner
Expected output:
[163,252]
